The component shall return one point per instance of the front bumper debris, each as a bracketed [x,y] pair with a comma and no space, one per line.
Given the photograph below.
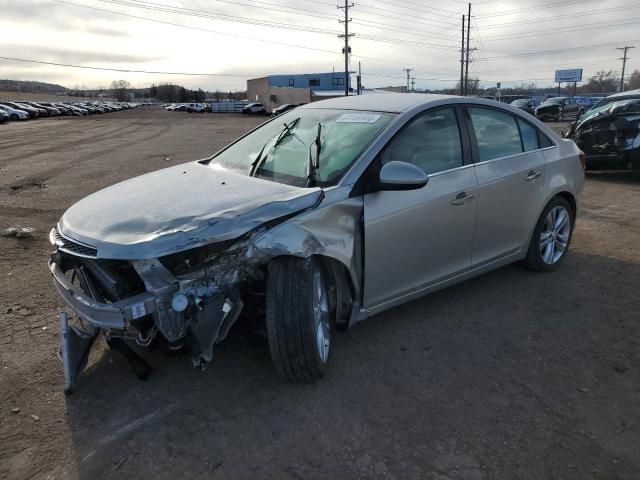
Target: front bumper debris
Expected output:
[115,315]
[75,345]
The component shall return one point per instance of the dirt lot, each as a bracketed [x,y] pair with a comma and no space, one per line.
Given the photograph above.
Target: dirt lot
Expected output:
[512,375]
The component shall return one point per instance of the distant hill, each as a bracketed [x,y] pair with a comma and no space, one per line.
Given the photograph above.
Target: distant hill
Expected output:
[30,87]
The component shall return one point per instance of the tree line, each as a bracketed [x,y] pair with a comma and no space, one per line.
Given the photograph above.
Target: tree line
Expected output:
[170,93]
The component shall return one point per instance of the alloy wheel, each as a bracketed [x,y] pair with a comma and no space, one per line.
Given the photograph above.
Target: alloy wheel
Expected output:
[321,316]
[554,237]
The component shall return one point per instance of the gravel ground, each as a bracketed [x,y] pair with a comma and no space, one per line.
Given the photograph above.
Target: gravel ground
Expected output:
[512,375]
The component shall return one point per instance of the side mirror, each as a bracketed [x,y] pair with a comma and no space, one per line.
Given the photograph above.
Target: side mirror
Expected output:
[402,176]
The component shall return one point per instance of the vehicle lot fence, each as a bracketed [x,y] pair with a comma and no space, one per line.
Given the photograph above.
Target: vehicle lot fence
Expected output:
[228,107]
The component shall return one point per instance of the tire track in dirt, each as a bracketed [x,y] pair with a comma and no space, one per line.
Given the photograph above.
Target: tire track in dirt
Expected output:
[102,136]
[39,181]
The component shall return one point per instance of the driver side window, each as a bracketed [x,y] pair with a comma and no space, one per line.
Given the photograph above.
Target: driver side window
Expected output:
[431,141]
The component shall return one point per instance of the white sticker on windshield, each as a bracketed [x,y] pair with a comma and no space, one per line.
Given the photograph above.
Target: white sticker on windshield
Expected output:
[358,118]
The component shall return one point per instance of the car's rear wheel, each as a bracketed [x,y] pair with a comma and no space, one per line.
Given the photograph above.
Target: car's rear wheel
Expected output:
[552,236]
[298,318]
[14,117]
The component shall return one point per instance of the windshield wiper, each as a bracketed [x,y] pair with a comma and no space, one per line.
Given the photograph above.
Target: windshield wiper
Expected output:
[259,160]
[286,131]
[314,163]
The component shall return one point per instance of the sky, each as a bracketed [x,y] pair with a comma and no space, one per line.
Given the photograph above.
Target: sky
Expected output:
[222,43]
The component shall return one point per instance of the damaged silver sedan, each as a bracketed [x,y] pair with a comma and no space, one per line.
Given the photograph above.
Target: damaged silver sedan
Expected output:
[313,221]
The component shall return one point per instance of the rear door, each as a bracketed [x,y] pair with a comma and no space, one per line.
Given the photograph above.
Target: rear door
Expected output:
[418,237]
[510,169]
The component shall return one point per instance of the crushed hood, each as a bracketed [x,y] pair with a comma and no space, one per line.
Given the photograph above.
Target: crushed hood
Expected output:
[179,208]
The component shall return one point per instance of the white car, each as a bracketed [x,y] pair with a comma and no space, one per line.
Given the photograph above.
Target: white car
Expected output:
[254,108]
[14,113]
[195,107]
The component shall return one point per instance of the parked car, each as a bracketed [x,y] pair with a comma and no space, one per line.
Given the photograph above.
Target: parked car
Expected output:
[609,134]
[4,116]
[584,103]
[329,214]
[44,109]
[42,112]
[15,113]
[194,108]
[60,108]
[71,109]
[527,104]
[282,108]
[33,113]
[254,108]
[558,108]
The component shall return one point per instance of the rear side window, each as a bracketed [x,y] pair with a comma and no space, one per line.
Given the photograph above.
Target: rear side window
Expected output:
[496,132]
[529,136]
[544,141]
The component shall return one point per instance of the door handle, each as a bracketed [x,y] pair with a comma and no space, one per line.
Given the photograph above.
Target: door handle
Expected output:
[532,175]
[462,199]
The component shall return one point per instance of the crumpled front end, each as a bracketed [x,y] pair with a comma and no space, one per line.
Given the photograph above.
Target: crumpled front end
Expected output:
[189,300]
[548,112]
[609,141]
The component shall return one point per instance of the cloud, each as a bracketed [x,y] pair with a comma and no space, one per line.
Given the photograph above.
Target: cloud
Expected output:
[60,17]
[59,55]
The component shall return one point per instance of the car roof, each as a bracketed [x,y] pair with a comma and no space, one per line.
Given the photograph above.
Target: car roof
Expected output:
[380,102]
[629,93]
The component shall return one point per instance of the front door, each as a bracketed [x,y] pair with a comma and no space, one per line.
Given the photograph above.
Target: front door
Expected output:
[418,237]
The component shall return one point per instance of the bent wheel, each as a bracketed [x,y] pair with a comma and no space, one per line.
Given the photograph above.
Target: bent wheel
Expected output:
[298,318]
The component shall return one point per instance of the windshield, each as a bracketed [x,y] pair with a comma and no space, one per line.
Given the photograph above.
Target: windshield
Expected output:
[553,101]
[520,103]
[606,106]
[283,149]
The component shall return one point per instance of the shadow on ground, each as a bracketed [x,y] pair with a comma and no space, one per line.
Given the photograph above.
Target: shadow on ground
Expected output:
[509,375]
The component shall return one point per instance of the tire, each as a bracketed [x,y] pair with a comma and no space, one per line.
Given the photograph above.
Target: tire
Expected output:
[298,318]
[548,255]
[14,117]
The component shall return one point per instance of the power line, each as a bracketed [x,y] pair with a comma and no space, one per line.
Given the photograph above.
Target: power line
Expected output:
[189,27]
[561,50]
[556,18]
[132,70]
[529,9]
[448,13]
[203,14]
[560,30]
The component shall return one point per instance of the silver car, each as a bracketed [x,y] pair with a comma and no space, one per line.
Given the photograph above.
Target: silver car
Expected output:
[316,220]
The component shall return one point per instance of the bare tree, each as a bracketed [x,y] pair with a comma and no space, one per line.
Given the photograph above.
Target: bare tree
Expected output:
[603,82]
[634,80]
[120,89]
[473,86]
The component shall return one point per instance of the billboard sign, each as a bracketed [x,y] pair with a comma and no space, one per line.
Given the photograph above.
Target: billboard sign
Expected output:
[567,76]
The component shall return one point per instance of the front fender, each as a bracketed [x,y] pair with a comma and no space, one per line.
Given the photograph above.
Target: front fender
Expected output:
[333,230]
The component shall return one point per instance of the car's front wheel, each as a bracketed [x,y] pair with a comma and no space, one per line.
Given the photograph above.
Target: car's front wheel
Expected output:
[552,236]
[298,318]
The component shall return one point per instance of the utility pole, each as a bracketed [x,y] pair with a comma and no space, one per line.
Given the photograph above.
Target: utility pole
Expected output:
[359,79]
[466,73]
[413,84]
[408,70]
[624,64]
[346,49]
[462,60]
